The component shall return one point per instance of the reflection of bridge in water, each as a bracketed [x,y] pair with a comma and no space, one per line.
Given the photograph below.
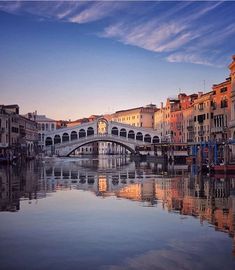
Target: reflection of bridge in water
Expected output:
[64,141]
[209,199]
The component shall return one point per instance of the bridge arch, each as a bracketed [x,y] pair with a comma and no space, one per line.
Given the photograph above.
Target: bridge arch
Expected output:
[114,131]
[48,141]
[73,135]
[57,139]
[82,133]
[90,131]
[129,148]
[65,137]
[123,132]
[102,126]
[139,136]
[131,134]
[156,139]
[147,138]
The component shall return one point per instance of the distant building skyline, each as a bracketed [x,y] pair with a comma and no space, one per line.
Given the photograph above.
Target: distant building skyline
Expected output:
[69,60]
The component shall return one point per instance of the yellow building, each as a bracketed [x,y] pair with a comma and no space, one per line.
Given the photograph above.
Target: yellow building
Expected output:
[138,117]
[162,121]
[203,117]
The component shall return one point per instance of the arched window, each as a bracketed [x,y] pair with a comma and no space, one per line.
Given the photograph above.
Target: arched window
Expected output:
[139,136]
[57,139]
[82,133]
[39,137]
[65,137]
[147,138]
[48,141]
[114,131]
[156,139]
[224,102]
[74,135]
[90,131]
[46,126]
[43,126]
[131,134]
[123,132]
[52,126]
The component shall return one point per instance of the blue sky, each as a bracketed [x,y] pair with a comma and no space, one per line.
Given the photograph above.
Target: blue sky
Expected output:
[73,59]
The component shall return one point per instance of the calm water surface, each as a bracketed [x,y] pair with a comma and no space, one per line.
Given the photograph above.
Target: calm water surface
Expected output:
[111,213]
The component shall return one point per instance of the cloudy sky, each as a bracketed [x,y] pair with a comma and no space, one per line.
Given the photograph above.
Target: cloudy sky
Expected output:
[73,59]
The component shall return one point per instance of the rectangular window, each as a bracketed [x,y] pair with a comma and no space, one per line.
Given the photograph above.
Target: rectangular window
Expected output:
[223,90]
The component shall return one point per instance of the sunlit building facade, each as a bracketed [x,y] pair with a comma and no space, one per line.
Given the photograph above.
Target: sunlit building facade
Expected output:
[232,122]
[138,117]
[221,111]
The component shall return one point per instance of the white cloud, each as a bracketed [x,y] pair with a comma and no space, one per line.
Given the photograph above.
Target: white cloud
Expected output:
[187,58]
[151,35]
[176,30]
[96,11]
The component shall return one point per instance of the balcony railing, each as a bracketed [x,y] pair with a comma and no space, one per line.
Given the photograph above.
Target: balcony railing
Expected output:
[217,129]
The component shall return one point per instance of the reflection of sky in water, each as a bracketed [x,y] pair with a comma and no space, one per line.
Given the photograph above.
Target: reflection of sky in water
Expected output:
[75,229]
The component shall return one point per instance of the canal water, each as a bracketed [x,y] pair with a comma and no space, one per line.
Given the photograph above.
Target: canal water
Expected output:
[116,214]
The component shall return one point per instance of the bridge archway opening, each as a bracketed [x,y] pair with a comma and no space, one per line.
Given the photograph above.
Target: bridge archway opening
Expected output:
[139,136]
[131,134]
[82,133]
[123,132]
[65,137]
[48,141]
[90,131]
[147,138]
[74,135]
[57,139]
[102,126]
[156,139]
[114,131]
[126,147]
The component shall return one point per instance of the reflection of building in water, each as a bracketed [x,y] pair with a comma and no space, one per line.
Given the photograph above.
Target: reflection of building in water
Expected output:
[10,190]
[143,191]
[17,184]
[102,184]
[209,199]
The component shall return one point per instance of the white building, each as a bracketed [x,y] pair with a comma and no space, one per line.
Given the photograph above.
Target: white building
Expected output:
[45,125]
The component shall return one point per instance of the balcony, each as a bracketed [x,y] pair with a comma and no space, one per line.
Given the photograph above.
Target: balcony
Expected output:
[201,132]
[217,129]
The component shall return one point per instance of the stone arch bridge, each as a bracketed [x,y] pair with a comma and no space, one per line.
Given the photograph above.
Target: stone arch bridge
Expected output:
[64,141]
